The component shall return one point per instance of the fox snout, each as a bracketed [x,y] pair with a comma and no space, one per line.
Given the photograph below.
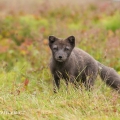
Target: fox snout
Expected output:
[61,57]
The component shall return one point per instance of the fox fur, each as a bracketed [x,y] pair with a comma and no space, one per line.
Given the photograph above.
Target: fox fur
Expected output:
[74,65]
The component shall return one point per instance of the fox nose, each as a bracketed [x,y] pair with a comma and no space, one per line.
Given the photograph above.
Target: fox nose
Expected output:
[60,57]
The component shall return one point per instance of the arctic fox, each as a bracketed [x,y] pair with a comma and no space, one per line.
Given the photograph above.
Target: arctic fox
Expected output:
[74,65]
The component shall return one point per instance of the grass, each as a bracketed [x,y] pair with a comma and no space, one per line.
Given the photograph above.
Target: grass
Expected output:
[25,80]
[28,95]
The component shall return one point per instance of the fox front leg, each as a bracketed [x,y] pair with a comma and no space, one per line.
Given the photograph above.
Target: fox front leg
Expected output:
[56,84]
[73,81]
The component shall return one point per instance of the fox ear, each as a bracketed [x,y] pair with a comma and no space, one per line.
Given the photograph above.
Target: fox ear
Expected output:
[52,39]
[71,40]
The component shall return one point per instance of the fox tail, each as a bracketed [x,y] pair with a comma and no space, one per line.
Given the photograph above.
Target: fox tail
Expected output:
[109,76]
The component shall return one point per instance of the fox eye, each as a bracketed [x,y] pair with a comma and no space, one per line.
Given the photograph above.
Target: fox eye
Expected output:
[55,48]
[67,48]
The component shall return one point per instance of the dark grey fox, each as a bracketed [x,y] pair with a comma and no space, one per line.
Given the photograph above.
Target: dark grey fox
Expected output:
[74,65]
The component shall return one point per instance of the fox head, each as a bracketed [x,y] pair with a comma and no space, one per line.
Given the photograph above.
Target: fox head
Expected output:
[61,48]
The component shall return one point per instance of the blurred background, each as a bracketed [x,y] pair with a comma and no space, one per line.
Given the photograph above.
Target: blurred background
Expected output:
[26,24]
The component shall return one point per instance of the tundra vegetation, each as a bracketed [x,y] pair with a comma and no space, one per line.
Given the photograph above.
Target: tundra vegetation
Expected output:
[26,90]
